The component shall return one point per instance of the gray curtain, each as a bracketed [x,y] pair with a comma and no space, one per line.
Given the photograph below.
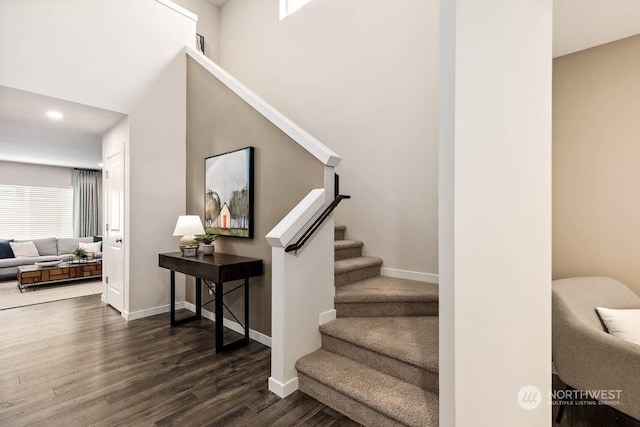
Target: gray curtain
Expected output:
[87,202]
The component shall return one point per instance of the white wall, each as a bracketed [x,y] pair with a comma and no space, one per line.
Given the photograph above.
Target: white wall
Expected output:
[128,57]
[19,143]
[495,276]
[12,173]
[208,25]
[362,78]
[102,53]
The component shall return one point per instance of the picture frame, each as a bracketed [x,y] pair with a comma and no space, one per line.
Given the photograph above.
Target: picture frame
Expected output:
[228,193]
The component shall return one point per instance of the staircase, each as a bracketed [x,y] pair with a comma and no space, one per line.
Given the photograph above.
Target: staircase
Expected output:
[379,359]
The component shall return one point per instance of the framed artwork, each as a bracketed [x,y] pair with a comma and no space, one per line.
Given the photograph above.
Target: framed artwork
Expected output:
[228,193]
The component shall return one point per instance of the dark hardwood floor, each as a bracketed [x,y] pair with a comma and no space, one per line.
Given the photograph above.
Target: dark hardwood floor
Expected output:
[77,363]
[590,415]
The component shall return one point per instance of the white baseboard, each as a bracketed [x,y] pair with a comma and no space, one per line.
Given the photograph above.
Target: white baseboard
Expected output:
[134,315]
[327,316]
[103,298]
[283,390]
[234,326]
[410,275]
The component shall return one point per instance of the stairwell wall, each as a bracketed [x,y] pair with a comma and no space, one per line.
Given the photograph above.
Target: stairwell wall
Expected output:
[361,77]
[219,121]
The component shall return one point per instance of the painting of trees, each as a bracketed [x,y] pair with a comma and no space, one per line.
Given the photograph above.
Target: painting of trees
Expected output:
[228,200]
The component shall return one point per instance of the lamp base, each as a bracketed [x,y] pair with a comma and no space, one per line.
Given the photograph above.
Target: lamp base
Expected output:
[187,242]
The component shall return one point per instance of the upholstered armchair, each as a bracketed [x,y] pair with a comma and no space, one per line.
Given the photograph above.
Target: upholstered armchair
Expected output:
[586,357]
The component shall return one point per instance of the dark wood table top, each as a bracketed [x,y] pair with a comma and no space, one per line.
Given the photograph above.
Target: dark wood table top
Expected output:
[218,267]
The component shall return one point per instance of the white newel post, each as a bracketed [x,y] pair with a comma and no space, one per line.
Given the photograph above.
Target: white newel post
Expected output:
[302,287]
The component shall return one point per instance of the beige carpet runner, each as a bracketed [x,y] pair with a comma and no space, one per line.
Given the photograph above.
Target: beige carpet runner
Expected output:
[10,296]
[379,359]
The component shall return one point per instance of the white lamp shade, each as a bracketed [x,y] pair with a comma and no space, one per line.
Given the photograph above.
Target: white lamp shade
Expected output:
[188,225]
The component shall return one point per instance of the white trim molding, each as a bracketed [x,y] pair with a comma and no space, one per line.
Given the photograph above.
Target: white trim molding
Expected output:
[234,326]
[181,10]
[308,142]
[297,218]
[327,316]
[140,314]
[283,390]
[410,275]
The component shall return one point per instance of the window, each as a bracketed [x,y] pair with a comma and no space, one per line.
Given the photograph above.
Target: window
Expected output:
[287,7]
[35,212]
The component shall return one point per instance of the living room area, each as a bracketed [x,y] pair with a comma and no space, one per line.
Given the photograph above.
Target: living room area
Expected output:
[51,198]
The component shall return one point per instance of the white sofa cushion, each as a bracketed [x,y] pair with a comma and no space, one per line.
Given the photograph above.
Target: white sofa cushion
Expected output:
[622,323]
[91,247]
[24,249]
[48,246]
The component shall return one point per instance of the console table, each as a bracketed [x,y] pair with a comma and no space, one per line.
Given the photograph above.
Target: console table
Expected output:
[218,269]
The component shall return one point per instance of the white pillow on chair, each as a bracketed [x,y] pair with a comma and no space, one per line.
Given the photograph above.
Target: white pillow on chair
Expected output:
[622,323]
[24,249]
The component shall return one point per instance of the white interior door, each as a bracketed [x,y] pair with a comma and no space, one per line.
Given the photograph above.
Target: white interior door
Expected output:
[115,231]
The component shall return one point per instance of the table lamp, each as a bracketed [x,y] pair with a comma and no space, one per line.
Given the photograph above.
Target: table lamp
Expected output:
[187,227]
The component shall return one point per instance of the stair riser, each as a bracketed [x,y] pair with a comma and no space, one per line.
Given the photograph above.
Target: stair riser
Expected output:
[415,375]
[387,309]
[344,404]
[339,234]
[356,275]
[347,253]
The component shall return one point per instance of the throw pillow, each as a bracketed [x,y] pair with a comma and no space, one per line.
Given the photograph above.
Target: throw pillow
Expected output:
[622,323]
[91,247]
[24,249]
[5,249]
[47,246]
[66,245]
[97,238]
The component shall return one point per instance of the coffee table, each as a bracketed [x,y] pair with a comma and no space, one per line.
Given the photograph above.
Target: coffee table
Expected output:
[32,275]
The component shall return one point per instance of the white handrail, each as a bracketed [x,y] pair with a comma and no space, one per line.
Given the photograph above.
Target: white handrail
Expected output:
[308,142]
[285,231]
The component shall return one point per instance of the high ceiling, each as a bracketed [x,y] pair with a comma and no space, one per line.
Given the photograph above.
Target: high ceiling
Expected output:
[581,24]
[27,135]
[29,109]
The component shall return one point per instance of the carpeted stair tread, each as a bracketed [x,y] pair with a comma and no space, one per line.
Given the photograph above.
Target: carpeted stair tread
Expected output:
[348,244]
[413,340]
[388,395]
[346,249]
[353,264]
[339,232]
[387,289]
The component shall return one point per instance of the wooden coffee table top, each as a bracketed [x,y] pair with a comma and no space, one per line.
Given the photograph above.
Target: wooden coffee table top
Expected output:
[26,268]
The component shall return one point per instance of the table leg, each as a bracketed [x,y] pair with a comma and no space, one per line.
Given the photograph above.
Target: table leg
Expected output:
[198,298]
[173,298]
[219,318]
[246,308]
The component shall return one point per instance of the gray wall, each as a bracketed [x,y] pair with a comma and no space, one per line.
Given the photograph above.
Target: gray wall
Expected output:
[218,121]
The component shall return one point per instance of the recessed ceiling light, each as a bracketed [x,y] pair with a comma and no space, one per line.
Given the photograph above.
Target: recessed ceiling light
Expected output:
[100,164]
[55,115]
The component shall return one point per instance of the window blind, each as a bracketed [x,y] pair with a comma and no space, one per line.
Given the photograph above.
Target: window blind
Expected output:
[35,212]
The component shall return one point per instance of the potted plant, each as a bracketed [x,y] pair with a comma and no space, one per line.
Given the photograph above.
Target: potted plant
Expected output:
[80,253]
[206,243]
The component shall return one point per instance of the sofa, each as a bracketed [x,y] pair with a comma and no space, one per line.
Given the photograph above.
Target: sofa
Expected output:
[49,249]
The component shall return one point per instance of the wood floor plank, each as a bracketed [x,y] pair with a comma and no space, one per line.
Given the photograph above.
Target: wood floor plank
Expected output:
[76,362]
